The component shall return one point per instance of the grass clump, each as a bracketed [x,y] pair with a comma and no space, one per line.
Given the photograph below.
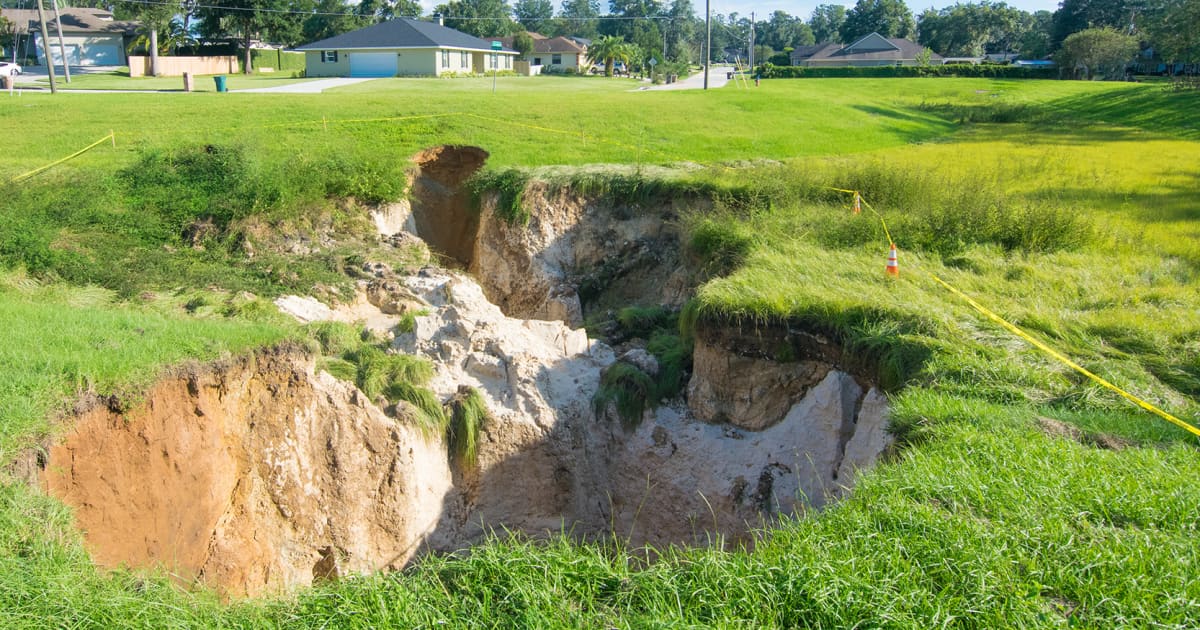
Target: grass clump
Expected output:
[626,385]
[629,389]
[509,185]
[468,413]
[430,416]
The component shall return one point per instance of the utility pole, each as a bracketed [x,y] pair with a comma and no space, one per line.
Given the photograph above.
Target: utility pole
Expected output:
[46,47]
[62,48]
[707,39]
[751,41]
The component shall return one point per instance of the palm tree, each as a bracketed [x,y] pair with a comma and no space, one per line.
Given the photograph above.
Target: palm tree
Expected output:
[608,49]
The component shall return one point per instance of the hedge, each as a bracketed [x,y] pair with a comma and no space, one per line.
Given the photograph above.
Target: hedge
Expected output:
[769,71]
[279,60]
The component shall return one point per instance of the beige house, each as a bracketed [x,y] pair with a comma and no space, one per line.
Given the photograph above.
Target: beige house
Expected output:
[91,36]
[554,54]
[403,47]
[871,50]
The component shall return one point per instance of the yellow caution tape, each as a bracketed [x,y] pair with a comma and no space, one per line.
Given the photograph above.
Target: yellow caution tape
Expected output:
[882,222]
[1014,329]
[1065,360]
[24,176]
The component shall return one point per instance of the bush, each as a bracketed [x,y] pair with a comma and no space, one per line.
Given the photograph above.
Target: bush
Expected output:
[771,71]
[279,60]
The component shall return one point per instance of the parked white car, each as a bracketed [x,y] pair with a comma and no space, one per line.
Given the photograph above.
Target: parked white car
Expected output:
[9,69]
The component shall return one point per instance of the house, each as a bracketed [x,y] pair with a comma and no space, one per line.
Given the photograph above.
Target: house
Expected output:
[554,54]
[872,50]
[91,36]
[403,47]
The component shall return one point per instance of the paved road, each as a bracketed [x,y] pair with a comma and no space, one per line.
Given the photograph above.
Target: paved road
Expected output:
[308,87]
[716,79]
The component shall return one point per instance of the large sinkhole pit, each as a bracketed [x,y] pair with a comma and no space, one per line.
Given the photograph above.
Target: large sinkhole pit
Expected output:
[263,474]
[260,475]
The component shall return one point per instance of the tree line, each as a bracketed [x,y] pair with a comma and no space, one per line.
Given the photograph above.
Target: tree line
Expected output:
[1092,35]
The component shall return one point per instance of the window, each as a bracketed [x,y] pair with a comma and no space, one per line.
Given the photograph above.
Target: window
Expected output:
[445,58]
[328,56]
[556,60]
[463,58]
[508,62]
[537,61]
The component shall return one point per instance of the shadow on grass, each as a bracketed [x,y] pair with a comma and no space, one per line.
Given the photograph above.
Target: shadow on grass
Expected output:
[1166,203]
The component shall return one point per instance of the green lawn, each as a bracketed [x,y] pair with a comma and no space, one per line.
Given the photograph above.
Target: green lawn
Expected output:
[118,81]
[1069,208]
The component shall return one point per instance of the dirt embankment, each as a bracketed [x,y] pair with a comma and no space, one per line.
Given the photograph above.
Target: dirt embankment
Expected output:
[252,475]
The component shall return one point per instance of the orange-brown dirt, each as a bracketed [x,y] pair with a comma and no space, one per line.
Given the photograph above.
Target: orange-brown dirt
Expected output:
[252,477]
[442,205]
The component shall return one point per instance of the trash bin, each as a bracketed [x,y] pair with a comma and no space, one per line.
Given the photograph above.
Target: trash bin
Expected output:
[220,80]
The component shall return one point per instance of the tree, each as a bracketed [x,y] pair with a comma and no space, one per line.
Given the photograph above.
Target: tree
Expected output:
[1037,37]
[267,20]
[781,31]
[1173,27]
[825,22]
[642,33]
[680,29]
[890,18]
[970,30]
[153,18]
[608,49]
[1095,51]
[332,17]
[481,18]
[534,15]
[579,17]
[523,43]
[1076,15]
[382,10]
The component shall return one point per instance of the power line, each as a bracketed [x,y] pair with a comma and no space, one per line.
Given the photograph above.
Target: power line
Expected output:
[351,14]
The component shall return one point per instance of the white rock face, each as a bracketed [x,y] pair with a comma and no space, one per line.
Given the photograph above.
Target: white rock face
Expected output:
[673,479]
[532,270]
[391,218]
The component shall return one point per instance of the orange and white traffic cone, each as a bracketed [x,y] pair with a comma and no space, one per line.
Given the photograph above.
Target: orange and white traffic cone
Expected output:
[857,203]
[893,267]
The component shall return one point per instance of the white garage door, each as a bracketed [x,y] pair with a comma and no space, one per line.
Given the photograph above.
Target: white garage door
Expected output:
[373,64]
[101,55]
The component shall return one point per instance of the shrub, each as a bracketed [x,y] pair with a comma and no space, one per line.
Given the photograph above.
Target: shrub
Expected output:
[771,71]
[467,414]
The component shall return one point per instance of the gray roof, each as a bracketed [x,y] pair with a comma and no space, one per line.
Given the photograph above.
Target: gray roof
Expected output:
[551,45]
[872,47]
[74,20]
[402,33]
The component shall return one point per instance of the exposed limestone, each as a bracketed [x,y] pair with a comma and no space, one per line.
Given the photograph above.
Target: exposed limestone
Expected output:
[748,392]
[393,218]
[570,244]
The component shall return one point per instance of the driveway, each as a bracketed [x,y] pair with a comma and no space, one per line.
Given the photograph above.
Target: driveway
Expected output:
[716,79]
[308,87]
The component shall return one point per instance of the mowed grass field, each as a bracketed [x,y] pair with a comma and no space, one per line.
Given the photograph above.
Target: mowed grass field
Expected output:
[1068,208]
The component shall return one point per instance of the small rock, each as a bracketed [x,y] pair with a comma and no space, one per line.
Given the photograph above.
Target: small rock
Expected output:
[642,360]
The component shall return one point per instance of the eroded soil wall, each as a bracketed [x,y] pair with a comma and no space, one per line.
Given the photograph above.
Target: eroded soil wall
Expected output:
[252,476]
